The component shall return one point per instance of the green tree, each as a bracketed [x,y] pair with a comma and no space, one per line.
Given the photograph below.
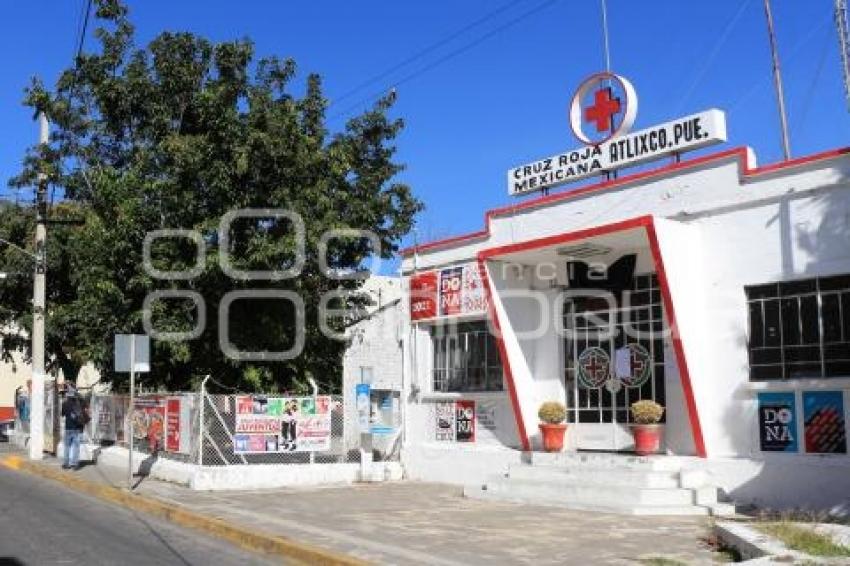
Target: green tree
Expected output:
[173,136]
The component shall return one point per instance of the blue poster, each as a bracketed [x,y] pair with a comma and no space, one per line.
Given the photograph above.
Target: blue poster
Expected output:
[364,406]
[824,425]
[777,422]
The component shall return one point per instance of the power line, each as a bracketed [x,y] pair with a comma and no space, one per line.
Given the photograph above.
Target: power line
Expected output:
[715,51]
[429,49]
[791,55]
[450,55]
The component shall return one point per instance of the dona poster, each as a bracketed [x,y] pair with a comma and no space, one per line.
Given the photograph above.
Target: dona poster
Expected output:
[282,424]
[777,422]
[824,427]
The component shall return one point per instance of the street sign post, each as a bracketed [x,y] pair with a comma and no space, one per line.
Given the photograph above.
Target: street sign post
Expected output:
[132,354]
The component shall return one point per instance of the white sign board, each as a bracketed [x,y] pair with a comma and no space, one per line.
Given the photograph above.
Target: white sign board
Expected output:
[685,134]
[124,344]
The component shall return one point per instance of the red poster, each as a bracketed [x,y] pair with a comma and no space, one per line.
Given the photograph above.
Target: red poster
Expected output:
[245,405]
[172,425]
[423,296]
[451,286]
[465,421]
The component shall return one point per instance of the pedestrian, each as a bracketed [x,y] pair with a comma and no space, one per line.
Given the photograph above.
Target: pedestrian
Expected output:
[74,410]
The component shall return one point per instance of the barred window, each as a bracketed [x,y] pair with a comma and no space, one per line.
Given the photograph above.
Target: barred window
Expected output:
[799,329]
[466,358]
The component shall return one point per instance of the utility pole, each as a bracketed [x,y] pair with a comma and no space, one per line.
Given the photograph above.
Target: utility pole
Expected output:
[38,307]
[777,79]
[843,44]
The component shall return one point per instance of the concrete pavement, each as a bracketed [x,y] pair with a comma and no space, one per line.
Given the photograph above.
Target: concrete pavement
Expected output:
[417,523]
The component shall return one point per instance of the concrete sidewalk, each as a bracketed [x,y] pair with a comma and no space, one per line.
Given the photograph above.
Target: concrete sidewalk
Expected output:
[418,523]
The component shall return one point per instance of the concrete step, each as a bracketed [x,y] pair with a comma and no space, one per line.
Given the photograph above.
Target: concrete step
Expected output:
[593,495]
[603,477]
[477,492]
[606,460]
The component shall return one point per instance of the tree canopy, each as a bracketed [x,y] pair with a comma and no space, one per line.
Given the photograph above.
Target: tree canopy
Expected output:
[175,135]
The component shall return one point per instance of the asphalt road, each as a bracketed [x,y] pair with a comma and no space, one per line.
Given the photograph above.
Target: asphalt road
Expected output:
[43,523]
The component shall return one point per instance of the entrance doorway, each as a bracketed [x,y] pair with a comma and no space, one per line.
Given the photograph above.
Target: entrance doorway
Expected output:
[613,357]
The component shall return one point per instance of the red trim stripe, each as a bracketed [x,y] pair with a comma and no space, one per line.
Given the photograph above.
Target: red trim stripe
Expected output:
[503,355]
[741,153]
[645,222]
[678,346]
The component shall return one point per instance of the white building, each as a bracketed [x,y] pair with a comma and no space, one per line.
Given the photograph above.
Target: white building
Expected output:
[374,356]
[734,279]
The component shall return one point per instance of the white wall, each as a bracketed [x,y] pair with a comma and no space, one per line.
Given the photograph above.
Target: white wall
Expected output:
[376,342]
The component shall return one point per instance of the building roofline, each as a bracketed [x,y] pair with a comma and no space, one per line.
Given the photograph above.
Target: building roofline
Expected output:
[742,154]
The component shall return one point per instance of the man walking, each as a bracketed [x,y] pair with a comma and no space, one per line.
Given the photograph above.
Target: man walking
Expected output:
[74,411]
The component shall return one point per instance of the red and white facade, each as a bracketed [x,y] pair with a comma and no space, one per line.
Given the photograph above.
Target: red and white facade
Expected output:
[706,233]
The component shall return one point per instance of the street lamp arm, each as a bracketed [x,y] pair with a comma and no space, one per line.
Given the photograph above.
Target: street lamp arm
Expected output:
[20,249]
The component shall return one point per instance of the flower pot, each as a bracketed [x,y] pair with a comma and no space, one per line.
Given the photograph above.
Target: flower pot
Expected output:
[647,438]
[553,436]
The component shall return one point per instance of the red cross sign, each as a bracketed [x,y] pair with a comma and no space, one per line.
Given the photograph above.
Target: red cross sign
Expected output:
[612,112]
[596,368]
[605,107]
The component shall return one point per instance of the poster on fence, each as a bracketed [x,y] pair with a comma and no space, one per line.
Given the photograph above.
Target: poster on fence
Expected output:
[148,420]
[103,419]
[178,424]
[282,424]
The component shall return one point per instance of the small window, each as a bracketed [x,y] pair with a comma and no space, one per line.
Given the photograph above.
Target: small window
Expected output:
[466,358]
[799,329]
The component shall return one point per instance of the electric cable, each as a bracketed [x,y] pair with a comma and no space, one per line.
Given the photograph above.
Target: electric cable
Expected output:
[425,51]
[715,51]
[445,58]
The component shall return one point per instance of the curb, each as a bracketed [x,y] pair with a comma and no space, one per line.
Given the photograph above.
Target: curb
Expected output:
[247,539]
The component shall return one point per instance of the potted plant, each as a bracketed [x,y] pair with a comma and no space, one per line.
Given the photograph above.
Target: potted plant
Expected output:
[552,427]
[647,432]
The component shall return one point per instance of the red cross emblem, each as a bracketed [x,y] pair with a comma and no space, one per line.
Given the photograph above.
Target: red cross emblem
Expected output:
[605,107]
[638,362]
[612,111]
[595,368]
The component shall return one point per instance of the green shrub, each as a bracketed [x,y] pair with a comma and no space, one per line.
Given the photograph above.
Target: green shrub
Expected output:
[552,412]
[646,412]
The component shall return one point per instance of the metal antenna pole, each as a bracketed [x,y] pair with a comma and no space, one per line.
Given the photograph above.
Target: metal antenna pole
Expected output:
[843,44]
[605,36]
[38,307]
[777,79]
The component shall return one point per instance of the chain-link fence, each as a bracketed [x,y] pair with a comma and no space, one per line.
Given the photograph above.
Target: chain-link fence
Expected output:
[234,429]
[265,429]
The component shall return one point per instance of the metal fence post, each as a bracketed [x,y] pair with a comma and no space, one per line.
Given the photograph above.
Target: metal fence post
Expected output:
[201,422]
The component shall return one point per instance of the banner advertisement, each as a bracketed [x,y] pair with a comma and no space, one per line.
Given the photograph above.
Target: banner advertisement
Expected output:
[385,412]
[445,421]
[148,421]
[282,424]
[460,292]
[178,424]
[777,421]
[103,419]
[465,421]
[364,406]
[825,430]
[423,296]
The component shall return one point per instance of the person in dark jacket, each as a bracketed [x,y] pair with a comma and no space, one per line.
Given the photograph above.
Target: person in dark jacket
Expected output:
[74,411]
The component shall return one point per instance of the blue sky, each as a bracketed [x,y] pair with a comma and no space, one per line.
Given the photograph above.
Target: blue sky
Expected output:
[496,95]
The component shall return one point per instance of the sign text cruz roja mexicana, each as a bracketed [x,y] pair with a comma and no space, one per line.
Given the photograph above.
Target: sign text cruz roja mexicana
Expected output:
[689,133]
